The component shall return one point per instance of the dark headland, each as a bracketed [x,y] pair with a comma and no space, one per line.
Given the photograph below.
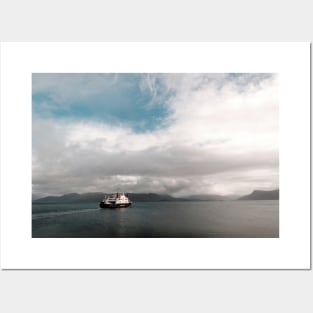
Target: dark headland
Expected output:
[262,195]
[153,197]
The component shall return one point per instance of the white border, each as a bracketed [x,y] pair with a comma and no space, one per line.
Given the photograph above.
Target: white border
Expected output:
[290,251]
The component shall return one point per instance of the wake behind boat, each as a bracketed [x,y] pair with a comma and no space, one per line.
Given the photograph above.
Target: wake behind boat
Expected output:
[116,200]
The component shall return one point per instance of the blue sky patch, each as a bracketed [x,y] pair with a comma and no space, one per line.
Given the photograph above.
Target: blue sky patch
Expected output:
[135,100]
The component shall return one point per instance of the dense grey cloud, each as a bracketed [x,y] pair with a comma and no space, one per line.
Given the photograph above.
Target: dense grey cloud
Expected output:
[221,137]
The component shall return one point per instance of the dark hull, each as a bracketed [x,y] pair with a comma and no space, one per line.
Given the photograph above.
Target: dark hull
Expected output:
[113,205]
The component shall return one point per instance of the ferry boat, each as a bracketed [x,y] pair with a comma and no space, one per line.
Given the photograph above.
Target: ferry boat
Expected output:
[116,200]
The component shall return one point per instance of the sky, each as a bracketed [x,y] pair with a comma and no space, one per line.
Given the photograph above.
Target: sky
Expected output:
[180,134]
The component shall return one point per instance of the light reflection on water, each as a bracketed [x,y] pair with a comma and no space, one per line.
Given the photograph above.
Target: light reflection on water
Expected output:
[158,219]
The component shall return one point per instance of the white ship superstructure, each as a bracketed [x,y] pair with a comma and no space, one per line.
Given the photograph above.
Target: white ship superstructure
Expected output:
[116,200]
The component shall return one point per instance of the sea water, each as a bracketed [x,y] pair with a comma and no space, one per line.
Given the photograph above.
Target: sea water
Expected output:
[181,219]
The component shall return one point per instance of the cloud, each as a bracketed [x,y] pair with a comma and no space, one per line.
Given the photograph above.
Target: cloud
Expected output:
[220,135]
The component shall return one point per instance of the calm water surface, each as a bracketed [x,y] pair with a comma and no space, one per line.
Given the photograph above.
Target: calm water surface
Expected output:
[228,219]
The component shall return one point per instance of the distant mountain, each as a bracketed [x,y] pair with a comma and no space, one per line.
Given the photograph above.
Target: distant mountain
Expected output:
[146,197]
[209,198]
[98,196]
[262,195]
[72,198]
[136,197]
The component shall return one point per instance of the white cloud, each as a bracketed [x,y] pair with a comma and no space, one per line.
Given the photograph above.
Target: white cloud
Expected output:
[222,137]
